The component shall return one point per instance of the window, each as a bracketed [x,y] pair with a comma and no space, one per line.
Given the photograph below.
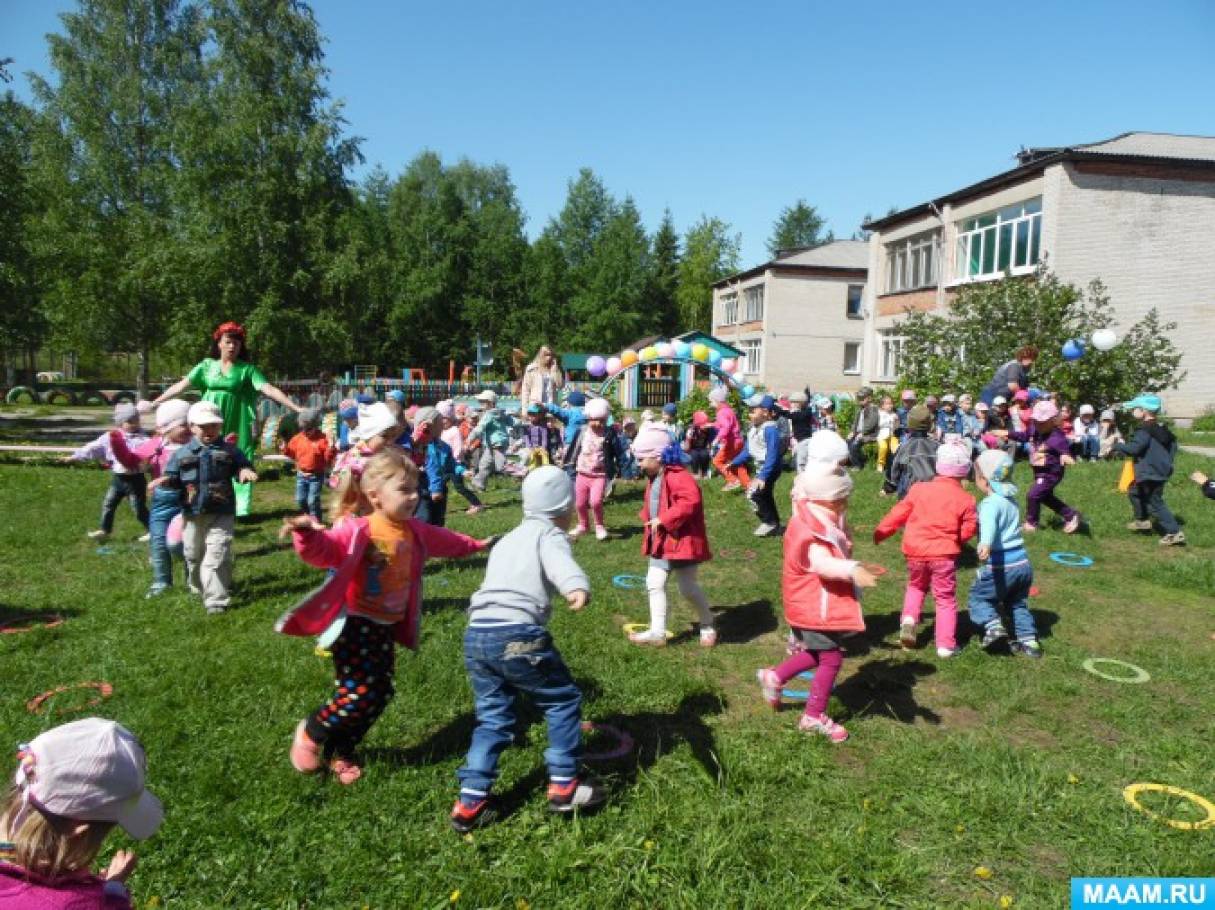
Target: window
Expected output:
[892,352]
[852,358]
[1007,240]
[753,303]
[911,263]
[854,300]
[753,353]
[729,309]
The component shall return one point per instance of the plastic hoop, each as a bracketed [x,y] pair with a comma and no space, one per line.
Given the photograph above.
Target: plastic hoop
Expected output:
[799,694]
[1072,559]
[104,690]
[728,553]
[1141,675]
[624,742]
[629,582]
[10,628]
[1131,795]
[874,569]
[631,627]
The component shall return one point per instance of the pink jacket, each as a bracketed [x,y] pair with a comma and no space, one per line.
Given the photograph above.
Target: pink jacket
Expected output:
[81,891]
[728,433]
[342,547]
[455,440]
[156,452]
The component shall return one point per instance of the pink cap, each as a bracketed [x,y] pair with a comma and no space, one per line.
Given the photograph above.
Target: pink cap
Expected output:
[652,440]
[700,419]
[1022,395]
[908,395]
[953,460]
[1044,410]
[597,409]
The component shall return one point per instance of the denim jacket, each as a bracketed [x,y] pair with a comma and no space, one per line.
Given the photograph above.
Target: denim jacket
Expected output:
[206,474]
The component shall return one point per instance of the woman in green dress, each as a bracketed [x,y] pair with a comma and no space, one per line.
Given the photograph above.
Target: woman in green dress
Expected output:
[234,384]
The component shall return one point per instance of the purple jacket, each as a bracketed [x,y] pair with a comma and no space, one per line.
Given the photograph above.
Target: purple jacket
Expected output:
[82,891]
[1048,450]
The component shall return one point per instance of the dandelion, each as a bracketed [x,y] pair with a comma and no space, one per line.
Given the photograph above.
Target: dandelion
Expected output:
[455,896]
[1072,779]
[1006,901]
[522,904]
[153,901]
[649,845]
[983,872]
[961,829]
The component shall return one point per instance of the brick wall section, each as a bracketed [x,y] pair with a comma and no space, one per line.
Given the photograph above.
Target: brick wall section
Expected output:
[897,304]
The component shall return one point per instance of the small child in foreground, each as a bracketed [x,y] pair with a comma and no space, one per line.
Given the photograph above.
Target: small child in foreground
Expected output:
[675,540]
[74,783]
[940,517]
[1005,576]
[1154,449]
[376,593]
[125,482]
[820,592]
[508,652]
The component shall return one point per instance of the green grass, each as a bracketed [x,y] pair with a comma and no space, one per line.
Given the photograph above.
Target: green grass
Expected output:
[977,761]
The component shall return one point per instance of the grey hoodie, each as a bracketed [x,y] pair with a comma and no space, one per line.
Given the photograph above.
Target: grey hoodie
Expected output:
[526,569]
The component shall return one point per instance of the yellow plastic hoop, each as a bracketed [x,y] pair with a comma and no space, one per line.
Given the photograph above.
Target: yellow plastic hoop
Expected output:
[1131,795]
[631,627]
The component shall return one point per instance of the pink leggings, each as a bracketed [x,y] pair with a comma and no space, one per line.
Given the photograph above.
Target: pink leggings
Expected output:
[828,665]
[942,576]
[588,497]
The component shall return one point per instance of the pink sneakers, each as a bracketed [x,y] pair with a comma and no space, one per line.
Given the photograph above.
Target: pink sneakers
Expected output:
[305,754]
[770,687]
[823,726]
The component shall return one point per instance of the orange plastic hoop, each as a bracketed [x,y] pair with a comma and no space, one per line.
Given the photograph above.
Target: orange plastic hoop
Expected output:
[104,690]
[10,627]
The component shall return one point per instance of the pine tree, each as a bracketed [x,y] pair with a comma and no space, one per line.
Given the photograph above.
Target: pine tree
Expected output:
[798,225]
[663,280]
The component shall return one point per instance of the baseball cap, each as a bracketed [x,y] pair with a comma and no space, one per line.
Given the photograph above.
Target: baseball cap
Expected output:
[1086,409]
[949,399]
[202,413]
[999,400]
[374,419]
[426,416]
[670,409]
[597,409]
[489,396]
[1147,402]
[124,411]
[172,413]
[576,399]
[90,770]
[908,395]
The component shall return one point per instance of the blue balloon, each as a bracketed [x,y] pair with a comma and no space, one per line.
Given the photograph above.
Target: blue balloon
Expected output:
[682,348]
[1073,349]
[747,391]
[714,357]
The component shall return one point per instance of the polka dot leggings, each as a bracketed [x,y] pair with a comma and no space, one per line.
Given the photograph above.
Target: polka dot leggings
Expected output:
[364,659]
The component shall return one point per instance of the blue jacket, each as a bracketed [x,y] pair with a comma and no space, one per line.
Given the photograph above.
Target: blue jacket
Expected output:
[573,418]
[767,444]
[951,423]
[440,466]
[206,473]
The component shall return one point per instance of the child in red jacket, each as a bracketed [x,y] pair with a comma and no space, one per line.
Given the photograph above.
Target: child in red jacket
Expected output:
[940,516]
[820,592]
[674,518]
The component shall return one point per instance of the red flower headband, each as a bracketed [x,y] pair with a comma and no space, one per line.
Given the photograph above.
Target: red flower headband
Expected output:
[229,328]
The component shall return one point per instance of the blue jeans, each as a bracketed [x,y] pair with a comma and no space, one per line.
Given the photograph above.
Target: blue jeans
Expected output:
[996,585]
[308,493]
[166,505]
[1090,447]
[503,662]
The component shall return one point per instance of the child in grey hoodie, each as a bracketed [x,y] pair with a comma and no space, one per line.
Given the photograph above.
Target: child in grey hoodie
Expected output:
[508,651]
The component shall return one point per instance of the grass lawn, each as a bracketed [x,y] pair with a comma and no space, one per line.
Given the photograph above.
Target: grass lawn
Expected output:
[965,781]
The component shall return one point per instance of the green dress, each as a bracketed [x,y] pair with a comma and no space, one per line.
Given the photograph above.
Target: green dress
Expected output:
[235,393]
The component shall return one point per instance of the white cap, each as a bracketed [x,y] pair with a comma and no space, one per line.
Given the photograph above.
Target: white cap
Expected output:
[172,413]
[999,400]
[717,395]
[374,419]
[826,446]
[202,413]
[90,770]
[597,409]
[822,482]
[547,492]
[948,398]
[489,396]
[1086,409]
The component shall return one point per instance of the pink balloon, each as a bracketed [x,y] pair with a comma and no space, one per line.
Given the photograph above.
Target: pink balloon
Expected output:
[613,365]
[727,365]
[666,349]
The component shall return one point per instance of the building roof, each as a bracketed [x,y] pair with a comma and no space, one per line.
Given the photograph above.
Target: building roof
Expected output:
[838,256]
[1131,148]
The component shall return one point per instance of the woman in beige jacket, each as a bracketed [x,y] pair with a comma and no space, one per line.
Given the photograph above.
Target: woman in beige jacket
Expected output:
[542,380]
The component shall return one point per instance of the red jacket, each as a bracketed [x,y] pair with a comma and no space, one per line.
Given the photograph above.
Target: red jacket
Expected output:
[816,585]
[940,516]
[341,547]
[682,513]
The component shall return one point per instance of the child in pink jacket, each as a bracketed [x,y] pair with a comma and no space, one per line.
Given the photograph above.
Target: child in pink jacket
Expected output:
[376,593]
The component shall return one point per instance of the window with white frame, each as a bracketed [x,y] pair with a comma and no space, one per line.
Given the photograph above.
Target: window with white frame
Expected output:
[753,303]
[753,355]
[1007,240]
[852,358]
[729,308]
[891,353]
[855,293]
[911,263]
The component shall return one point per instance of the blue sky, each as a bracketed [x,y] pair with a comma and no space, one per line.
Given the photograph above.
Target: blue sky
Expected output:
[735,109]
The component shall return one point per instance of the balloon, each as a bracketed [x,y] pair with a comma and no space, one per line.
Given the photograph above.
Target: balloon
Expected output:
[628,357]
[714,357]
[700,352]
[649,352]
[596,366]
[666,350]
[747,391]
[1104,339]
[682,348]
[740,378]
[1073,349]
[727,365]
[613,365]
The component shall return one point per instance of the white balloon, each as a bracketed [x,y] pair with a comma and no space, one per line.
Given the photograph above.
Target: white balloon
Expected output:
[1104,339]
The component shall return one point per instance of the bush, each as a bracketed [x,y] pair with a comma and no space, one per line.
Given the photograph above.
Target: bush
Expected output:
[698,400]
[1206,420]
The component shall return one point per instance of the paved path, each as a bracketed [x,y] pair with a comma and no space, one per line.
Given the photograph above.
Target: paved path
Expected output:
[1206,451]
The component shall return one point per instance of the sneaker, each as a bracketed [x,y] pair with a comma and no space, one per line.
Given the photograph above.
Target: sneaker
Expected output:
[577,532]
[466,818]
[708,636]
[155,591]
[1145,525]
[824,726]
[1173,540]
[474,510]
[574,795]
[144,538]
[946,653]
[994,634]
[767,530]
[305,753]
[907,633]
[731,487]
[1027,648]
[216,611]
[98,535]
[769,686]
[1072,525]
[601,532]
[650,638]
[1027,528]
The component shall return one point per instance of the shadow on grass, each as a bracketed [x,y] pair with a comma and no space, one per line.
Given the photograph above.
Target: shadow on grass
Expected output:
[883,688]
[21,618]
[745,622]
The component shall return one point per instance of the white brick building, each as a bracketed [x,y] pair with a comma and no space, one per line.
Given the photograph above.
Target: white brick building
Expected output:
[1136,211]
[800,318]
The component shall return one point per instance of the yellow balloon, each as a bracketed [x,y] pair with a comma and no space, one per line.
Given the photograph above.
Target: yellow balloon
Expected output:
[649,353]
[700,352]
[628,357]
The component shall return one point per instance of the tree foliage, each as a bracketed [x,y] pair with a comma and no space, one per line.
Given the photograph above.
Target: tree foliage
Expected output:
[985,324]
[798,226]
[710,254]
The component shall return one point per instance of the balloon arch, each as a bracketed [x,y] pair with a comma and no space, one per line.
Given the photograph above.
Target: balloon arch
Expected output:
[668,353]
